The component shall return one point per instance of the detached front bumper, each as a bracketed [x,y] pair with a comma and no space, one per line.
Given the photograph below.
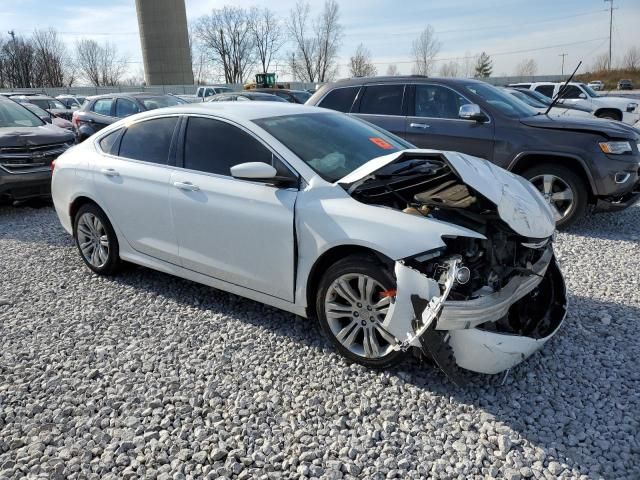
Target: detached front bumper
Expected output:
[504,342]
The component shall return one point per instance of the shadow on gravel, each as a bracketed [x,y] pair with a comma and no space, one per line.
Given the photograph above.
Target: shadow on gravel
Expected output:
[609,226]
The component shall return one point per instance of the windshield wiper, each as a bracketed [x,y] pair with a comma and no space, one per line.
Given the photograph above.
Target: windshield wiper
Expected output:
[557,97]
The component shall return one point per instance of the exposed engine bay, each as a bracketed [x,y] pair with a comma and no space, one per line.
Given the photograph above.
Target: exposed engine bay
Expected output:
[503,284]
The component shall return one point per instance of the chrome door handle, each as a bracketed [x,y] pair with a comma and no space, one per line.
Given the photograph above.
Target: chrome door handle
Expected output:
[110,172]
[190,187]
[419,125]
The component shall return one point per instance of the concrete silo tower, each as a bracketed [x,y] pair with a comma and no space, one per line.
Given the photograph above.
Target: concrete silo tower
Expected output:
[165,42]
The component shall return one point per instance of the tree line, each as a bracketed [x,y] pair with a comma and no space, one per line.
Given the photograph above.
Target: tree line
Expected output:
[231,43]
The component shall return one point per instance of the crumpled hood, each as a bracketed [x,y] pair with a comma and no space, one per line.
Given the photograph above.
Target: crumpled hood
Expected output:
[43,135]
[518,202]
[607,128]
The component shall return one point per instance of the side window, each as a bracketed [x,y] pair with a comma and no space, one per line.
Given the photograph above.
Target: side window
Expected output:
[102,106]
[149,141]
[545,90]
[110,142]
[208,92]
[340,99]
[213,146]
[436,101]
[382,100]
[125,107]
[571,91]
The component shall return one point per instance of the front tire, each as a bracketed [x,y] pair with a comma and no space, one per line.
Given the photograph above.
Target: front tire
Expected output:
[96,240]
[351,309]
[565,191]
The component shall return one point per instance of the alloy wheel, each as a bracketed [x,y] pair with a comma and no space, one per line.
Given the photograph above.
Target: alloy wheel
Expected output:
[355,308]
[557,192]
[93,240]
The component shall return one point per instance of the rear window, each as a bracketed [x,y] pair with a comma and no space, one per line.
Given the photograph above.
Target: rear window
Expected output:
[151,103]
[149,141]
[546,90]
[382,100]
[340,99]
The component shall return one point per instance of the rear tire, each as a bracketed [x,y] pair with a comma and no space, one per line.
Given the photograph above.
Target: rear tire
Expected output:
[96,240]
[350,310]
[609,116]
[563,189]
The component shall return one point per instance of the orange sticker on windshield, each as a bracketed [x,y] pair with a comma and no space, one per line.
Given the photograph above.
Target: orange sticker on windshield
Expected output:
[383,144]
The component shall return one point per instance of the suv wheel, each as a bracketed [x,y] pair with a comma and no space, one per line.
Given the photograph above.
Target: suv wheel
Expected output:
[565,191]
[96,240]
[351,310]
[609,116]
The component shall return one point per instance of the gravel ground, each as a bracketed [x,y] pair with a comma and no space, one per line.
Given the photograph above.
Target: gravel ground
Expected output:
[146,375]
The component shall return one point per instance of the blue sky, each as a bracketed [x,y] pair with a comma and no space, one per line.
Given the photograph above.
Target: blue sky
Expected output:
[499,27]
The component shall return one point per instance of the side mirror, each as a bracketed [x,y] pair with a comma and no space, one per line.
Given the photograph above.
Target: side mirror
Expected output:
[261,172]
[471,111]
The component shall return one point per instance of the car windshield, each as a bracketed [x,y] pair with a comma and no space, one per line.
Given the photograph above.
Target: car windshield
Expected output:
[527,99]
[40,102]
[264,98]
[332,144]
[151,103]
[37,110]
[302,97]
[539,97]
[505,103]
[589,90]
[15,115]
[56,104]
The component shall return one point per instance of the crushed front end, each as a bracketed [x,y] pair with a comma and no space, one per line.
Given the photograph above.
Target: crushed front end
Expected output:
[483,304]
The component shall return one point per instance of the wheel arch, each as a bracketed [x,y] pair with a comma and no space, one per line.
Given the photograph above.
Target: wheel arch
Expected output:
[328,258]
[617,112]
[526,160]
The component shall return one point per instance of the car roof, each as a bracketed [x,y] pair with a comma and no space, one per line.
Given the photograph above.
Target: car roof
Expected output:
[347,82]
[128,94]
[33,97]
[240,111]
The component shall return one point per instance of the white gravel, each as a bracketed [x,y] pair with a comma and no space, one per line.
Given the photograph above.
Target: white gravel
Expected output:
[146,375]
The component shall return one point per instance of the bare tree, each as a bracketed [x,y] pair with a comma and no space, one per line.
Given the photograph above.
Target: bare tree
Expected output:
[392,70]
[450,69]
[360,64]
[600,63]
[316,48]
[99,65]
[631,59]
[227,35]
[18,62]
[50,57]
[425,49]
[526,68]
[468,64]
[268,36]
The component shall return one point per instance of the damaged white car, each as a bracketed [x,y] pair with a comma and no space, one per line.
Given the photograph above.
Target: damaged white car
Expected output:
[320,214]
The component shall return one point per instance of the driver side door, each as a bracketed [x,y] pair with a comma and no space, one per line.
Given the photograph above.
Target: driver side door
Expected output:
[238,231]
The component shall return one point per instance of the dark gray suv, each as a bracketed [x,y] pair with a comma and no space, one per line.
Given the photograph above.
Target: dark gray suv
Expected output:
[576,163]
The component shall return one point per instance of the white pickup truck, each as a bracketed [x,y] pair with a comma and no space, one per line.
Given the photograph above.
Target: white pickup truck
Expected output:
[206,91]
[577,93]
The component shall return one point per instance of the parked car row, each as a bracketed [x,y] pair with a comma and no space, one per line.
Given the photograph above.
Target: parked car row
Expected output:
[473,284]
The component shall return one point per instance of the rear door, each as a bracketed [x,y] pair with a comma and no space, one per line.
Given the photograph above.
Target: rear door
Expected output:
[384,105]
[433,122]
[133,185]
[126,107]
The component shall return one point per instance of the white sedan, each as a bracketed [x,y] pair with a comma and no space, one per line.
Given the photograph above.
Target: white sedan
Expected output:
[392,248]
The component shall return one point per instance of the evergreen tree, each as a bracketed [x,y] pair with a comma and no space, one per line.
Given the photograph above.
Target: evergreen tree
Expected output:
[484,66]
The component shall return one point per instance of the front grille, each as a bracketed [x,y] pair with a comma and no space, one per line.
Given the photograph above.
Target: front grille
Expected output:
[30,158]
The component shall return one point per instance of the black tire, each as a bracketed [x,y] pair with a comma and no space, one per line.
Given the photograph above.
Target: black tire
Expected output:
[355,264]
[577,185]
[112,263]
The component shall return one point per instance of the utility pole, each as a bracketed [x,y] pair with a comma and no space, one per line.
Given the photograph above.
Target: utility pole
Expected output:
[610,27]
[562,70]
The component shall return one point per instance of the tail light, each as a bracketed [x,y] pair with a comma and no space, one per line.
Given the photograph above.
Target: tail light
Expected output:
[53,165]
[75,120]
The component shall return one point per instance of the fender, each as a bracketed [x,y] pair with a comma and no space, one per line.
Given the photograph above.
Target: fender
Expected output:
[512,165]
